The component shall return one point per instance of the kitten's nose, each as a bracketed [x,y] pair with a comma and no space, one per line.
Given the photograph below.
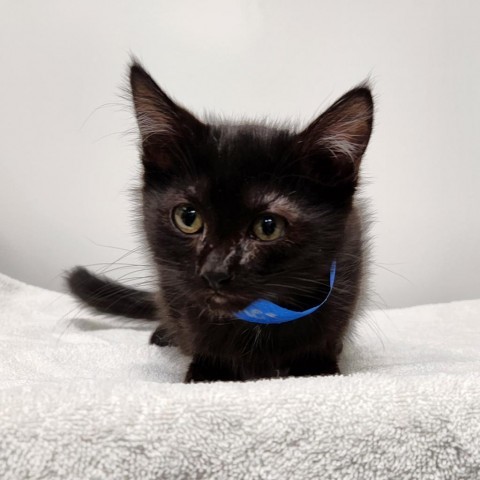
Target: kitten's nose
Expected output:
[216,279]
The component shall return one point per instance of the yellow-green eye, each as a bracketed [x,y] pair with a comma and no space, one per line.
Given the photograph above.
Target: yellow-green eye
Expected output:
[269,227]
[187,219]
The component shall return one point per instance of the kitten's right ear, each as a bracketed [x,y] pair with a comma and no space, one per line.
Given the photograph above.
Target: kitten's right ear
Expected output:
[165,127]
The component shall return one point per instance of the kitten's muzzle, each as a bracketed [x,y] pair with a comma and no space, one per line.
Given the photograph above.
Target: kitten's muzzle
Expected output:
[216,279]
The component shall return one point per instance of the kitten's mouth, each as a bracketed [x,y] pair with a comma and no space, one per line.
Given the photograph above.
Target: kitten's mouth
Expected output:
[217,299]
[221,303]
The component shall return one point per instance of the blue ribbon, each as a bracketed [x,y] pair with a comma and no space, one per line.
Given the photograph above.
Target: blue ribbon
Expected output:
[263,311]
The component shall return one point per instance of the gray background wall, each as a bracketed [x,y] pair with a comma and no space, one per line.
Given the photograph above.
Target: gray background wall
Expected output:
[67,148]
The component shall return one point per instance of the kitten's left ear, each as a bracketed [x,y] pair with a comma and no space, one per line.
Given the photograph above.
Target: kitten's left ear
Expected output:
[331,147]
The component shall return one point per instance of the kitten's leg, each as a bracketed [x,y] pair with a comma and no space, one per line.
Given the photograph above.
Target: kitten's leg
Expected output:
[312,365]
[161,337]
[204,369]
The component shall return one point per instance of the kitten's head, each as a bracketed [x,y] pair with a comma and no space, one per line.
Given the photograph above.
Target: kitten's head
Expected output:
[238,212]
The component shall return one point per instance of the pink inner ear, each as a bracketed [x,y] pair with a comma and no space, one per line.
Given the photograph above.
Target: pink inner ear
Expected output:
[157,114]
[348,132]
[153,108]
[336,141]
[153,122]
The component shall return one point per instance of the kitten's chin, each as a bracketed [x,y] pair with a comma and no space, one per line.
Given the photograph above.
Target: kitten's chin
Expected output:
[218,300]
[222,305]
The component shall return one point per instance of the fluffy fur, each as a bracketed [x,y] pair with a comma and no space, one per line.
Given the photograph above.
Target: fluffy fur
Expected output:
[232,174]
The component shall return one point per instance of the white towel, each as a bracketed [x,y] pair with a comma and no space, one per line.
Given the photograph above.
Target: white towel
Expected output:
[86,397]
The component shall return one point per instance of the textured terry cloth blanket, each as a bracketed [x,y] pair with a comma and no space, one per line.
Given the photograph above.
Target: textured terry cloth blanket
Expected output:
[86,397]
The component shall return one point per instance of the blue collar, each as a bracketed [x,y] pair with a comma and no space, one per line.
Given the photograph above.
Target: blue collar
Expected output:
[263,311]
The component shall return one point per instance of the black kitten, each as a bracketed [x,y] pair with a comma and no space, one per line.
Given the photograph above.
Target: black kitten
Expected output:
[234,213]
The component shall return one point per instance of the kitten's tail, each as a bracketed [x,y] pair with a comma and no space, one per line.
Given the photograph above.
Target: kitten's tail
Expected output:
[107,296]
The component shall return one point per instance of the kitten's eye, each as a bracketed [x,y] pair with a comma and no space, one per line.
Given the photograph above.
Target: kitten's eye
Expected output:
[269,227]
[187,219]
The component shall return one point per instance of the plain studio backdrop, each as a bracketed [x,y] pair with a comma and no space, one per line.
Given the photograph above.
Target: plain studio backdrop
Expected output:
[68,153]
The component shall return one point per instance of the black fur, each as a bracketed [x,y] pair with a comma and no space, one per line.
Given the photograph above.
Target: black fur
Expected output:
[110,297]
[231,174]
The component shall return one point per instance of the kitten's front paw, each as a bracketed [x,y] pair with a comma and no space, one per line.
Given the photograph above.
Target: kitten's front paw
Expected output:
[314,365]
[209,370]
